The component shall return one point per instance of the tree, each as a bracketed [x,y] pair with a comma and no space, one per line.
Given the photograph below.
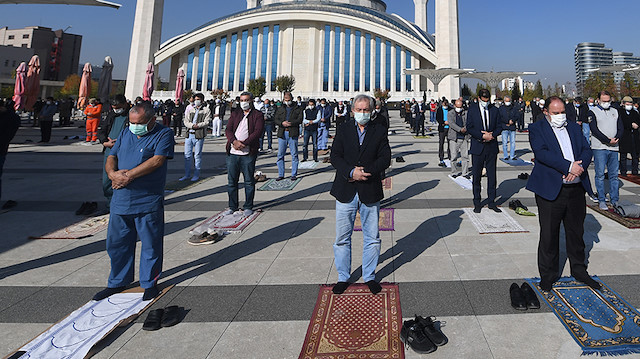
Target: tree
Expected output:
[466,91]
[515,92]
[257,87]
[381,94]
[224,95]
[528,95]
[285,83]
[7,91]
[537,90]
[71,86]
[478,88]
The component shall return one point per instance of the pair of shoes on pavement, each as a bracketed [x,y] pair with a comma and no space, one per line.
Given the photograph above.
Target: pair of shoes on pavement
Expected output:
[442,164]
[523,176]
[203,239]
[340,287]
[87,208]
[523,297]
[422,335]
[520,208]
[400,159]
[162,318]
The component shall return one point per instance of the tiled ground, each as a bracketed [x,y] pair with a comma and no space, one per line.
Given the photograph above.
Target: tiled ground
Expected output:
[251,295]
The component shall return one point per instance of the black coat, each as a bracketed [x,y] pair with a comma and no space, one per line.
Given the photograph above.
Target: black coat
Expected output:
[441,119]
[9,124]
[105,125]
[630,140]
[509,113]
[374,155]
[582,115]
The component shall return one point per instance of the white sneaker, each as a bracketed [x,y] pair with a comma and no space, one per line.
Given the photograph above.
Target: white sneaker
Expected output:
[603,206]
[227,212]
[247,212]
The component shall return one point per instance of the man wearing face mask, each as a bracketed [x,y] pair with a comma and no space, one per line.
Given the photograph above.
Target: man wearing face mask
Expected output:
[418,113]
[310,125]
[93,113]
[217,118]
[197,121]
[606,131]
[630,140]
[341,114]
[360,154]
[509,117]
[579,113]
[109,130]
[46,119]
[137,168]
[269,112]
[559,180]
[484,126]
[324,125]
[288,118]
[459,139]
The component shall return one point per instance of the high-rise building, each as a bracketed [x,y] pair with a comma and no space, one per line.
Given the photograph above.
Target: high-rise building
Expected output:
[624,58]
[590,55]
[59,51]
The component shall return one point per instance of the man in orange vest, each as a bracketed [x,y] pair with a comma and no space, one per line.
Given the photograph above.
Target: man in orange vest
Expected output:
[93,112]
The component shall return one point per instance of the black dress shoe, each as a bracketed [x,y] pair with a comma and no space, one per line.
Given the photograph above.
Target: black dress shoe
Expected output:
[340,287]
[517,297]
[107,292]
[513,205]
[477,209]
[412,334]
[150,293]
[154,320]
[519,204]
[434,334]
[279,179]
[90,208]
[467,176]
[530,296]
[374,286]
[82,208]
[546,286]
[586,279]
[495,209]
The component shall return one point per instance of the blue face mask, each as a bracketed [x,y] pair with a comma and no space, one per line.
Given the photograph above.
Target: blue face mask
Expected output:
[139,129]
[362,118]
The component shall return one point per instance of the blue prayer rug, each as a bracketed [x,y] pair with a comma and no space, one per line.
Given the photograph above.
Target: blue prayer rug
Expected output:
[517,162]
[600,321]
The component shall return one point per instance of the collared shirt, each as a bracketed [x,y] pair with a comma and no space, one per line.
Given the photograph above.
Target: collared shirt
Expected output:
[361,134]
[195,119]
[484,113]
[242,133]
[567,151]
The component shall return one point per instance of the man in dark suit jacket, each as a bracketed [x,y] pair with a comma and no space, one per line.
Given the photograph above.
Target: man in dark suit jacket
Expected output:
[577,111]
[360,155]
[484,126]
[560,179]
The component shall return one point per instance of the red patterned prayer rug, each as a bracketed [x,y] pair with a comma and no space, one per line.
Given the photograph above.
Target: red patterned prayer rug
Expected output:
[631,178]
[387,184]
[385,221]
[355,324]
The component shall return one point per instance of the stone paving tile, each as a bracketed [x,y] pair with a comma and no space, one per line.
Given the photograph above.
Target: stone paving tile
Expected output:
[14,335]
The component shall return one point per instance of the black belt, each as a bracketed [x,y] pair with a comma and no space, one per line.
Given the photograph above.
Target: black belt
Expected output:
[572,185]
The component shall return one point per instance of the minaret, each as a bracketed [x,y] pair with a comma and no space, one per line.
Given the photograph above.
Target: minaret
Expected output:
[448,45]
[421,13]
[145,41]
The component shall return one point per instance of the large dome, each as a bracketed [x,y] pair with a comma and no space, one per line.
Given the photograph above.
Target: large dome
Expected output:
[372,4]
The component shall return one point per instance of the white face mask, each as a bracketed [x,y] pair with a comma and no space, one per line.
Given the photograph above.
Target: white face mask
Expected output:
[605,105]
[118,111]
[245,105]
[288,103]
[458,109]
[591,104]
[628,107]
[507,103]
[362,117]
[484,103]
[197,103]
[218,101]
[558,120]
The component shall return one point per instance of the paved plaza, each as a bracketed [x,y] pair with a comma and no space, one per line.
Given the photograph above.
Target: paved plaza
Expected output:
[252,294]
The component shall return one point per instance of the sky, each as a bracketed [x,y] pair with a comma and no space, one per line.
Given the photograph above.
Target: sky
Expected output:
[498,35]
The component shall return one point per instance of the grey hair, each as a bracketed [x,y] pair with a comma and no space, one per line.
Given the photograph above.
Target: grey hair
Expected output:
[507,97]
[363,97]
[246,93]
[144,108]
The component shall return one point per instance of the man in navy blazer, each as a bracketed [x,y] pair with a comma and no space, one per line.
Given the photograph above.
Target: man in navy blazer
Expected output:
[560,180]
[484,126]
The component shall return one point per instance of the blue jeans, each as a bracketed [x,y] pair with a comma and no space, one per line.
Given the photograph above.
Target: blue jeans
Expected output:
[292,143]
[323,137]
[268,131]
[235,165]
[509,138]
[586,131]
[607,159]
[122,235]
[313,134]
[192,149]
[345,218]
[433,117]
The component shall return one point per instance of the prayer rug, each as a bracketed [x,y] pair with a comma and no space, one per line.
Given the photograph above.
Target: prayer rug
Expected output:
[463,182]
[422,137]
[323,152]
[489,221]
[184,185]
[284,185]
[387,184]
[74,336]
[232,223]
[306,165]
[385,221]
[517,162]
[631,223]
[85,228]
[631,178]
[355,324]
[600,321]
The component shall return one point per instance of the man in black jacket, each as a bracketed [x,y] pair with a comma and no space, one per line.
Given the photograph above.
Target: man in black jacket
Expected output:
[9,124]
[508,118]
[109,130]
[443,130]
[288,119]
[360,154]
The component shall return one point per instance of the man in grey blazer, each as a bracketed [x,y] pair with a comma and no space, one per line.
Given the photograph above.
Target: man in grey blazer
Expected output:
[458,139]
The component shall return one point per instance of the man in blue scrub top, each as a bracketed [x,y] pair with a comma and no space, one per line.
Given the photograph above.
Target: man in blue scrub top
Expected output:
[137,167]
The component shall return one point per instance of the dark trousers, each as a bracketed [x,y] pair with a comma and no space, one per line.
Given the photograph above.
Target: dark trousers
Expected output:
[65,120]
[247,166]
[419,125]
[479,162]
[268,131]
[570,209]
[45,130]
[314,136]
[177,127]
[2,159]
[521,123]
[107,190]
[442,142]
[634,163]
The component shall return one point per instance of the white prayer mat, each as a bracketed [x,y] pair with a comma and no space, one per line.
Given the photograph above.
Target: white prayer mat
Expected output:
[306,165]
[74,336]
[463,182]
[489,221]
[232,223]
[448,163]
[85,228]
